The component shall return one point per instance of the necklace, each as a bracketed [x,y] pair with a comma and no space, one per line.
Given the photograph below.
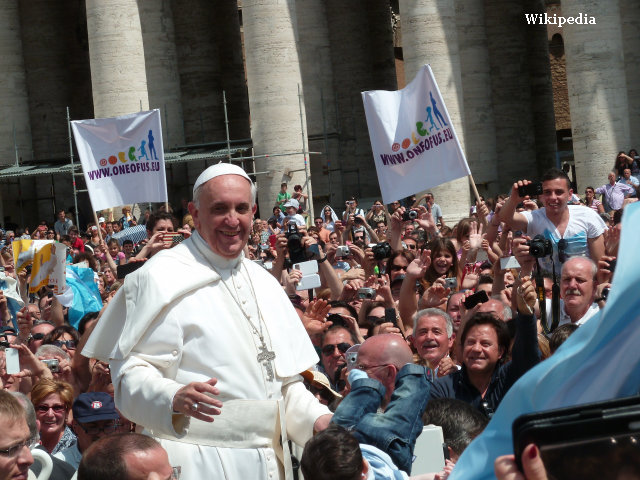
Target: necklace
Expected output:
[266,356]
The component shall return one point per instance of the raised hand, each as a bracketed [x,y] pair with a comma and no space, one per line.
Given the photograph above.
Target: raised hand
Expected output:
[314,318]
[475,236]
[419,265]
[425,219]
[436,296]
[612,240]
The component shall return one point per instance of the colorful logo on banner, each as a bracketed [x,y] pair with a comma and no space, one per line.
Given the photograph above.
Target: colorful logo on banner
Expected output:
[146,151]
[435,136]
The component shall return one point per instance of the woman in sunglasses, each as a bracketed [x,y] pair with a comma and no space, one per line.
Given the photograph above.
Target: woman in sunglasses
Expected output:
[52,400]
[64,337]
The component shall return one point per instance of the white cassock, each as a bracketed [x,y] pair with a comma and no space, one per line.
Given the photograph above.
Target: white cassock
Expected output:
[179,324]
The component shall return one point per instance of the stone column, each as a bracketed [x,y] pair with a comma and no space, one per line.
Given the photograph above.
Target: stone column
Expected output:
[233,80]
[429,36]
[117,59]
[48,80]
[14,102]
[351,60]
[630,16]
[479,127]
[597,89]
[273,76]
[542,107]
[511,91]
[383,67]
[161,61]
[200,77]
[314,51]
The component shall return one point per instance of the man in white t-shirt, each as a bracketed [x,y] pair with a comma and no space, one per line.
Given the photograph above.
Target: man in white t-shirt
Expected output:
[582,228]
[291,208]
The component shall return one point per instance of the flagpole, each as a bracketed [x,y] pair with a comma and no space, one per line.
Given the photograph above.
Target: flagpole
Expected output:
[95,218]
[475,190]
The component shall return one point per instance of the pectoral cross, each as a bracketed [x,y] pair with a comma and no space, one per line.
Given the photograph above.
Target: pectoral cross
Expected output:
[265,357]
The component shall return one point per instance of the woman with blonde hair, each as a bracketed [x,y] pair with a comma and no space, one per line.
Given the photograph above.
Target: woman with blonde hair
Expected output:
[52,400]
[127,219]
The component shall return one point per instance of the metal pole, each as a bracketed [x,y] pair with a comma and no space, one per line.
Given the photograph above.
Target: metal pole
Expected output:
[344,193]
[166,122]
[49,140]
[201,126]
[20,195]
[226,124]
[73,170]
[304,153]
[15,145]
[355,139]
[326,145]
[140,105]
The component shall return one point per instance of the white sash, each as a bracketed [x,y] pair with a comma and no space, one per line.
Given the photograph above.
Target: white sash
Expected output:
[242,424]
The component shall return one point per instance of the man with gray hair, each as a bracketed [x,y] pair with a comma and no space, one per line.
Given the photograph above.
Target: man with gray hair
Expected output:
[578,289]
[433,338]
[61,469]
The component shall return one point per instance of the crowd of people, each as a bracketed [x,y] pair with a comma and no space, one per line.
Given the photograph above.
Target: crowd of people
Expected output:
[444,326]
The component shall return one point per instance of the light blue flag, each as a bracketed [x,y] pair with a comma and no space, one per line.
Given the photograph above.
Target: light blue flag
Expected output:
[600,361]
[86,295]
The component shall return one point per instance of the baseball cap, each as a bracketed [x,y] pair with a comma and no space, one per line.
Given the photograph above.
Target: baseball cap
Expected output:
[94,406]
[292,203]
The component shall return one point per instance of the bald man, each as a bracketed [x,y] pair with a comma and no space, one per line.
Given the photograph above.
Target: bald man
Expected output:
[381,357]
[384,367]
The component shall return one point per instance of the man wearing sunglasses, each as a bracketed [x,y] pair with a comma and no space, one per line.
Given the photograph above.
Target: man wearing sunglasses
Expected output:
[94,416]
[335,343]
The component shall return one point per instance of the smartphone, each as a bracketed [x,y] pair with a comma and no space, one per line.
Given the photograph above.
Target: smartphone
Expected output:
[310,278]
[532,190]
[589,442]
[508,262]
[53,365]
[473,300]
[272,241]
[172,238]
[124,270]
[13,360]
[612,265]
[451,282]
[390,316]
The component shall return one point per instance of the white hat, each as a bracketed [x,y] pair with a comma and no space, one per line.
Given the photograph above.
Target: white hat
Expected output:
[101,220]
[217,170]
[292,202]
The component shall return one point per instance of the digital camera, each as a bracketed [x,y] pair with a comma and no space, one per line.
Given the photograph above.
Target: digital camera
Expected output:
[409,216]
[540,247]
[367,293]
[381,251]
[294,244]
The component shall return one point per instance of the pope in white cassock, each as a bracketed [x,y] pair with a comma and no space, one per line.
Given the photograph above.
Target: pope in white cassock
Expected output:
[199,331]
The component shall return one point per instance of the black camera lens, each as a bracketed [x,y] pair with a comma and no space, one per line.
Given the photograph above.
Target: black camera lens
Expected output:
[381,251]
[539,247]
[409,215]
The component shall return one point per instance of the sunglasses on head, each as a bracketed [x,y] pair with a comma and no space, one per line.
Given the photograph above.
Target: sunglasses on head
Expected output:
[329,349]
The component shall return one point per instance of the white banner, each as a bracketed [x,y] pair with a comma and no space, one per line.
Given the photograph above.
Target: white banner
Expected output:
[122,159]
[413,140]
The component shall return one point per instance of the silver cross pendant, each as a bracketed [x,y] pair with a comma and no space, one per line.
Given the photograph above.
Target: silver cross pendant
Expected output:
[265,357]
